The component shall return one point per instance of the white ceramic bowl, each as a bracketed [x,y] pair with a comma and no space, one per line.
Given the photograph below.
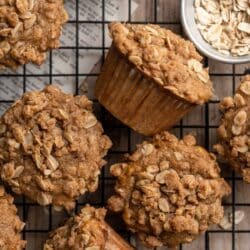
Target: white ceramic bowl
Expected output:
[190,28]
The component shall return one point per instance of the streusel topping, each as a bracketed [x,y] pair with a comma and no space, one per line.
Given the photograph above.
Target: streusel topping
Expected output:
[169,191]
[51,147]
[28,29]
[86,231]
[172,62]
[10,224]
[233,132]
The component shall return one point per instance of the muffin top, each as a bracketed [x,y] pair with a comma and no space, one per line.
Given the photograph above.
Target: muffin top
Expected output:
[10,224]
[169,191]
[172,62]
[28,29]
[51,147]
[233,132]
[86,231]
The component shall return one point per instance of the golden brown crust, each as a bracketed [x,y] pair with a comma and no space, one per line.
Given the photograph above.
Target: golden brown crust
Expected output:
[28,29]
[169,191]
[120,85]
[51,147]
[233,131]
[86,231]
[165,57]
[10,224]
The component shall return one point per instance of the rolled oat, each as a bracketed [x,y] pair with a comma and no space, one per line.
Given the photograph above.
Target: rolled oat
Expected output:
[88,231]
[166,58]
[225,25]
[233,131]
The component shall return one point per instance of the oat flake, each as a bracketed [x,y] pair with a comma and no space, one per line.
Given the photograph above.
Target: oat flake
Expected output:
[225,25]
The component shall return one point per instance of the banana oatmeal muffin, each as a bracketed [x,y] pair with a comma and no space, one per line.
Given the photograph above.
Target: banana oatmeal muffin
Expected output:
[28,29]
[151,70]
[10,224]
[234,132]
[169,191]
[86,231]
[51,147]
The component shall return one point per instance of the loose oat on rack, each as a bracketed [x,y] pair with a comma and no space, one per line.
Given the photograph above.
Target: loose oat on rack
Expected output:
[225,24]
[234,131]
[28,29]
[169,191]
[10,224]
[51,147]
[227,221]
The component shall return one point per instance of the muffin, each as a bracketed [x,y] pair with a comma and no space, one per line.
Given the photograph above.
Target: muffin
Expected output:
[233,132]
[151,77]
[52,147]
[10,224]
[169,191]
[86,231]
[28,29]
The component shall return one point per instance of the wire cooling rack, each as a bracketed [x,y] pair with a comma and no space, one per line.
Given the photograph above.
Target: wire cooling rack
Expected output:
[202,122]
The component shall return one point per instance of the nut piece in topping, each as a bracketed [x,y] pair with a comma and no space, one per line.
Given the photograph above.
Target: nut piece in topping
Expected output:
[172,195]
[52,147]
[88,231]
[10,224]
[234,131]
[28,30]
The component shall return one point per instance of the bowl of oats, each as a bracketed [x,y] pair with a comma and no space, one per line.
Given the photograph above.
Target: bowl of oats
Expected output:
[220,29]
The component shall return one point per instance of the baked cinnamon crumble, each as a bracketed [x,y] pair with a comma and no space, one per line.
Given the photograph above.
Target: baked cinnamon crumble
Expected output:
[52,147]
[88,231]
[28,29]
[10,224]
[233,131]
[169,191]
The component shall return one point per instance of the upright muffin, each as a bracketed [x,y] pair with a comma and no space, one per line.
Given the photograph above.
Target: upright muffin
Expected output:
[52,147]
[28,29]
[234,130]
[86,231]
[10,224]
[151,77]
[169,191]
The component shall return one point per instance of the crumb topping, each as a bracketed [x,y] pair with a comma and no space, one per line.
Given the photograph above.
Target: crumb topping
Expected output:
[86,231]
[28,29]
[169,191]
[10,224]
[51,147]
[172,62]
[233,131]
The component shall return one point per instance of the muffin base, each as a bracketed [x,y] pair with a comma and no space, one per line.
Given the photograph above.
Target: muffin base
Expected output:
[135,99]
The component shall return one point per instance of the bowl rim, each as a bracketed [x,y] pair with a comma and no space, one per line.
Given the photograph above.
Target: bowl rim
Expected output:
[191,36]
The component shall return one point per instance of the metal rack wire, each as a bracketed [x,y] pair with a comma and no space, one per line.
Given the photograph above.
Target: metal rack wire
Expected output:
[25,206]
